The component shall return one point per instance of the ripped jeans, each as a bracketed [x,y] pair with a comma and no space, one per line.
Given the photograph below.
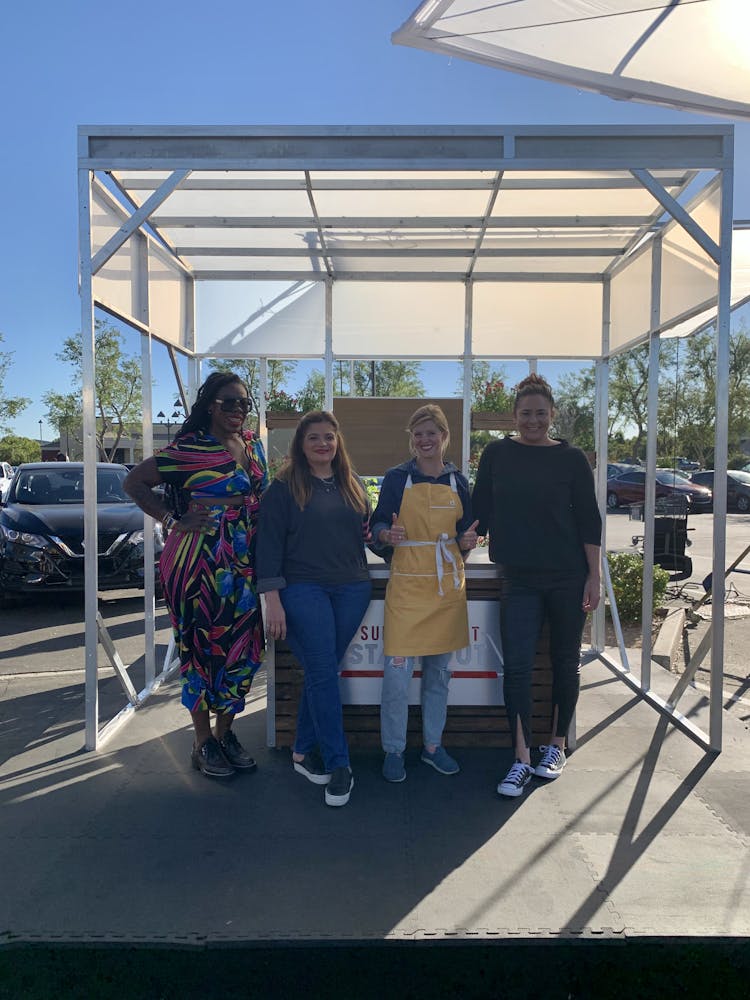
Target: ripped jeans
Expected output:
[394,702]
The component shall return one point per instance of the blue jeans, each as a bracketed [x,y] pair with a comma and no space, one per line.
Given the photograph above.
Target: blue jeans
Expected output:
[525,604]
[394,701]
[321,621]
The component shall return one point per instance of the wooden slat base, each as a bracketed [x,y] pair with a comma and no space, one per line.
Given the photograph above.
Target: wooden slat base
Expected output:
[466,725]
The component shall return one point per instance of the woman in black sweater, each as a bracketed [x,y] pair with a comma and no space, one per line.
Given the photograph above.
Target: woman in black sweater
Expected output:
[535,496]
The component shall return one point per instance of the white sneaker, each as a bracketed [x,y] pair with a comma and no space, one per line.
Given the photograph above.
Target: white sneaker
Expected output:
[552,762]
[515,780]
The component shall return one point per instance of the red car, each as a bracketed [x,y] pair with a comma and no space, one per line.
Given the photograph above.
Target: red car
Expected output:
[630,487]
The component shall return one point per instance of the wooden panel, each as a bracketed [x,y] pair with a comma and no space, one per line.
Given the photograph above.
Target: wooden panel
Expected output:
[466,725]
[375,430]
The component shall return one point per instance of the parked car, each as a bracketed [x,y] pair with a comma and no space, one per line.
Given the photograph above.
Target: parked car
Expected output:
[630,488]
[738,487]
[687,465]
[6,477]
[41,530]
[618,468]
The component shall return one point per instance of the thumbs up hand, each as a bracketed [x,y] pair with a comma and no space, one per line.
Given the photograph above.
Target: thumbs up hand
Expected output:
[467,540]
[395,534]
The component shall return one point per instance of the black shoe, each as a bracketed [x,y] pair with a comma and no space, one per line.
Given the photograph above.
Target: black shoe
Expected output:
[235,753]
[312,768]
[339,788]
[210,759]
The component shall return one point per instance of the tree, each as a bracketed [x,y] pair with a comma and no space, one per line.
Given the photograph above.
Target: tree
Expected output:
[10,406]
[488,388]
[387,378]
[117,389]
[17,450]
[278,373]
[64,413]
[574,405]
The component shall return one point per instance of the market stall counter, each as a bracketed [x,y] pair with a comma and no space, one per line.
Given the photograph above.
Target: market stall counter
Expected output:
[476,716]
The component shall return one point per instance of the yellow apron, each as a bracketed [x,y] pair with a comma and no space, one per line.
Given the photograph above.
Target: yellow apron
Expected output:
[425,601]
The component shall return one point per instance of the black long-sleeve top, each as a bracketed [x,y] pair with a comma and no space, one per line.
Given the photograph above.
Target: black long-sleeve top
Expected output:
[324,543]
[538,504]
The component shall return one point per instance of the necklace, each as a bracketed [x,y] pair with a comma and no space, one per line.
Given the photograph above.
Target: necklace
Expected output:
[327,482]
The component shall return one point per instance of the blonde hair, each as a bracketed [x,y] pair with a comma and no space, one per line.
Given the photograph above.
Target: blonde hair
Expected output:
[430,411]
[533,385]
[296,470]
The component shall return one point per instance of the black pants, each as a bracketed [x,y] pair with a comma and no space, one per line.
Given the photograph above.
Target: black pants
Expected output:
[527,601]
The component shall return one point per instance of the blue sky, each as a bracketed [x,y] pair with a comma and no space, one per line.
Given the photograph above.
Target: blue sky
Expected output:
[230,63]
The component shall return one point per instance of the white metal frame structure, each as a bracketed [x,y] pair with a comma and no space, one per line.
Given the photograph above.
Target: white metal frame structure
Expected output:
[425,243]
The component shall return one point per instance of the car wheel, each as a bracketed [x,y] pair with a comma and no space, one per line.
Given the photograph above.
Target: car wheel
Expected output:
[613,501]
[743,504]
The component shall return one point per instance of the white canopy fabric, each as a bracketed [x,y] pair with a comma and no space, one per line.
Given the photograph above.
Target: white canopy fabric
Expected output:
[529,228]
[692,55]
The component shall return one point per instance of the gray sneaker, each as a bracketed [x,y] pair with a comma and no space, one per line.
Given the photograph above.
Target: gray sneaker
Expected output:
[339,788]
[393,767]
[441,760]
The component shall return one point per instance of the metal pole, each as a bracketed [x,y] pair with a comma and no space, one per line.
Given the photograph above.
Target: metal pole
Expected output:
[329,345]
[468,364]
[601,444]
[89,459]
[721,449]
[647,604]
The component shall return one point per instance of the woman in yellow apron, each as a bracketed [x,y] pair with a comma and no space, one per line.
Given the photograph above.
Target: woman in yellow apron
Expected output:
[423,521]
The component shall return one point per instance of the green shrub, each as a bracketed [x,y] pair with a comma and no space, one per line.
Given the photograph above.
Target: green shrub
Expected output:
[626,571]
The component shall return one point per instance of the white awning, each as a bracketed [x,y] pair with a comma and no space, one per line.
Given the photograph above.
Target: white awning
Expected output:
[691,55]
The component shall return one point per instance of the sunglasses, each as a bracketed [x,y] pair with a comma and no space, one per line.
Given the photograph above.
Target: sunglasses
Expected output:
[231,403]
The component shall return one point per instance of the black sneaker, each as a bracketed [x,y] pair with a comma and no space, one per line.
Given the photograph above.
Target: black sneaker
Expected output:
[515,780]
[339,788]
[551,764]
[210,760]
[235,753]
[312,768]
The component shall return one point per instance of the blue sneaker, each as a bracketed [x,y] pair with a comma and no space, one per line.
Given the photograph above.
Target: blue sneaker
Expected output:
[441,760]
[393,767]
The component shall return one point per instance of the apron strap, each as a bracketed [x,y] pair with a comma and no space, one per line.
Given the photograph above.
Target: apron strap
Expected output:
[442,554]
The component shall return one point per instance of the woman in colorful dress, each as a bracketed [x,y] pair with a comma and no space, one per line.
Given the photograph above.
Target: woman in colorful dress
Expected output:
[214,472]
[313,572]
[423,523]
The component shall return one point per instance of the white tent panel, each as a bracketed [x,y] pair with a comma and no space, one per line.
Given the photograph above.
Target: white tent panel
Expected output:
[526,319]
[573,265]
[690,277]
[630,301]
[221,203]
[740,287]
[689,55]
[170,311]
[115,285]
[398,319]
[296,330]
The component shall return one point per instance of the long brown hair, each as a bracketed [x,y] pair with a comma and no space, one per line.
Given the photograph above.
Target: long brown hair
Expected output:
[296,471]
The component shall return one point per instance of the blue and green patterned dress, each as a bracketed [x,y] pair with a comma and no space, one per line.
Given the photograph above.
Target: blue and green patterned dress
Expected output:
[209,578]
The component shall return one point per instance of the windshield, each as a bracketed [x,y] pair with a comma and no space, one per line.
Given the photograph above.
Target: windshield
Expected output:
[65,486]
[740,477]
[669,478]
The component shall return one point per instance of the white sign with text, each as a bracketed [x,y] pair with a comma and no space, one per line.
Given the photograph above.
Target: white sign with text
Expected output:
[477,669]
